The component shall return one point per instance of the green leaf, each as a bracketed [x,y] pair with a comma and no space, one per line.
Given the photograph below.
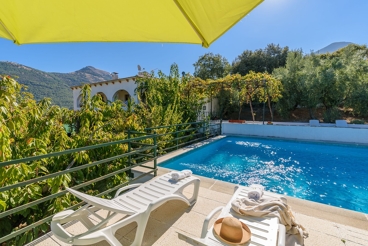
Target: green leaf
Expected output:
[2,205]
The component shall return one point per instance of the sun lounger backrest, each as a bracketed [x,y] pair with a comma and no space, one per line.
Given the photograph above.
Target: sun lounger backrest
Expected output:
[106,204]
[149,192]
[138,199]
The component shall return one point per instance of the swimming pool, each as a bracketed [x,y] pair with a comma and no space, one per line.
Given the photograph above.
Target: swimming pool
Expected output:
[333,174]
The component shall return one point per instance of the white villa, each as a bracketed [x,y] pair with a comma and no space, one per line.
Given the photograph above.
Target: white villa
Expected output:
[110,90]
[123,89]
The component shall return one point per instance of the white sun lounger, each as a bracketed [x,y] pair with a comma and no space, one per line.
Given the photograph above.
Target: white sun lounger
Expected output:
[137,203]
[265,231]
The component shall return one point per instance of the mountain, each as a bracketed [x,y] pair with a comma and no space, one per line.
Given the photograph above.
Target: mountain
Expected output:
[333,47]
[54,85]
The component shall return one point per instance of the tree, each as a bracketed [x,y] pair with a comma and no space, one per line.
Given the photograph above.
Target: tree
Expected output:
[194,94]
[333,80]
[237,90]
[161,98]
[298,78]
[354,57]
[264,88]
[210,66]
[221,89]
[251,88]
[273,56]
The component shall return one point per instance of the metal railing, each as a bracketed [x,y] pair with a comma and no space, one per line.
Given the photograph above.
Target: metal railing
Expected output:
[204,115]
[183,134]
[133,153]
[142,150]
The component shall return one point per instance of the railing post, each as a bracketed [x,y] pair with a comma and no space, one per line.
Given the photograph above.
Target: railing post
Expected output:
[220,133]
[130,157]
[155,154]
[177,135]
[204,128]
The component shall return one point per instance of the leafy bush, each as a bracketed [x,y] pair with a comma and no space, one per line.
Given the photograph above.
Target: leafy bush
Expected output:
[357,121]
[29,128]
[331,115]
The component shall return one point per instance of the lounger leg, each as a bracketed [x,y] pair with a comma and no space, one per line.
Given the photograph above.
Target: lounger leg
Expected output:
[193,199]
[141,225]
[139,234]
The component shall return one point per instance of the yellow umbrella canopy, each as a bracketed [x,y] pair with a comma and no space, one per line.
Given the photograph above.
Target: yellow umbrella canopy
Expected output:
[169,21]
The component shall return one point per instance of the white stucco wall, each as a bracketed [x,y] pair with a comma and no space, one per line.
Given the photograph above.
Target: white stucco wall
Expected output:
[333,134]
[214,107]
[109,88]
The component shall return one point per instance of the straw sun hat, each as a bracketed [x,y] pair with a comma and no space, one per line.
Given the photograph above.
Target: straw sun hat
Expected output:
[231,230]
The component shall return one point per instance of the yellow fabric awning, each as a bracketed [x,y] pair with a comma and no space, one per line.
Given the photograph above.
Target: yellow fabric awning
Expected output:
[171,21]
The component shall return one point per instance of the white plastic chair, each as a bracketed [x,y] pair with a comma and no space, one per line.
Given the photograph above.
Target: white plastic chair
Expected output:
[264,231]
[137,203]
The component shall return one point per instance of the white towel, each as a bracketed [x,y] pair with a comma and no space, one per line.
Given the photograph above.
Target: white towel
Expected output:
[187,172]
[256,191]
[180,175]
[269,207]
[177,175]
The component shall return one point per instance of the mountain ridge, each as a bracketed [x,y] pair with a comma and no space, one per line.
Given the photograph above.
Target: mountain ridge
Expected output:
[52,84]
[333,47]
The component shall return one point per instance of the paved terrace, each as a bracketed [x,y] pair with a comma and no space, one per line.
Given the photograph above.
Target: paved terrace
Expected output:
[326,225]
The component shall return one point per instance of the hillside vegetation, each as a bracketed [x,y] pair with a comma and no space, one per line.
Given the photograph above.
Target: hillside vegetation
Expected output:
[53,85]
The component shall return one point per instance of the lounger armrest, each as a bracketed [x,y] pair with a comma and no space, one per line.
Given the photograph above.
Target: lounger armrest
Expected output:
[126,188]
[207,220]
[281,237]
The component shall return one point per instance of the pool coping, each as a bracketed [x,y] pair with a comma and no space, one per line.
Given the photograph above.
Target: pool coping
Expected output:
[300,140]
[298,205]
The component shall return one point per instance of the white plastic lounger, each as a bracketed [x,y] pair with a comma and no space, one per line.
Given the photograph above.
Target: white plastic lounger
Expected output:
[138,203]
[265,231]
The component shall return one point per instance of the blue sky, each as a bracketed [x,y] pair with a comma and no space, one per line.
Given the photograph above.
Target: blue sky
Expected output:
[306,24]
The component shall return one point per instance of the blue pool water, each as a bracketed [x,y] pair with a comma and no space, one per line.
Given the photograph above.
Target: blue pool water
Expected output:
[327,173]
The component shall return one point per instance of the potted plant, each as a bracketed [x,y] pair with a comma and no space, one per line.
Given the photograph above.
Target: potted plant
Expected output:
[237,121]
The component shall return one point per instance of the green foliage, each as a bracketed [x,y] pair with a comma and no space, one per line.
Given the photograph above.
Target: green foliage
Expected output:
[354,58]
[266,60]
[331,115]
[168,100]
[357,121]
[210,66]
[160,98]
[27,128]
[332,80]
[30,128]
[194,95]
